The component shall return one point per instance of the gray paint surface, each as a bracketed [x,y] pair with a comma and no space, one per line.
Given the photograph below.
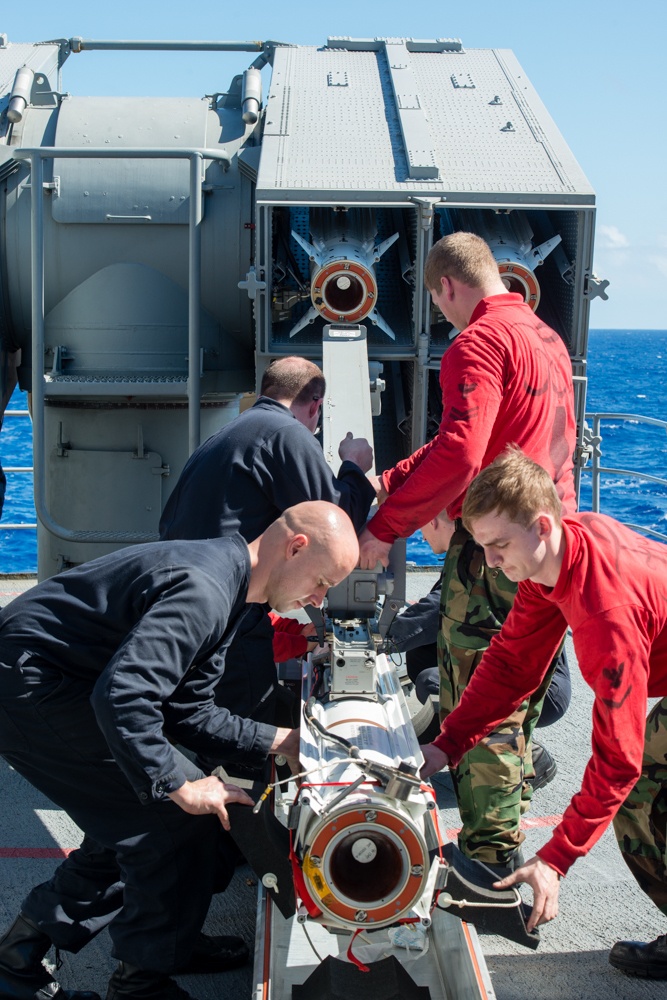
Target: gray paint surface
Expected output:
[394,122]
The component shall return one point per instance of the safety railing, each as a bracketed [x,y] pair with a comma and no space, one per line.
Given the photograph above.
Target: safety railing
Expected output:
[593,439]
[35,158]
[23,469]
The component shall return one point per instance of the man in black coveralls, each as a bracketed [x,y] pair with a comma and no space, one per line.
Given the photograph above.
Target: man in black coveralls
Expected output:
[241,479]
[101,668]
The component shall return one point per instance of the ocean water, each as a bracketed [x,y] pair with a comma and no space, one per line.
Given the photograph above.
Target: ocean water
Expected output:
[627,372]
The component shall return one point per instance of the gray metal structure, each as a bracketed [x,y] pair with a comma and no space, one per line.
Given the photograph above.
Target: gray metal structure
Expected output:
[157,253]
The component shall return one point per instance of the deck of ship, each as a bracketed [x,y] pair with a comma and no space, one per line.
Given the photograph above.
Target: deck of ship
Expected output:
[600,902]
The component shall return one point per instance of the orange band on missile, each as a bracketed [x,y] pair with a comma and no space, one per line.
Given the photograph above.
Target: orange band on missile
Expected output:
[413,885]
[525,278]
[344,267]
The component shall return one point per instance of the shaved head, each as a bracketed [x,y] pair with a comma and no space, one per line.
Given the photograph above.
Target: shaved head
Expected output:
[310,548]
[329,528]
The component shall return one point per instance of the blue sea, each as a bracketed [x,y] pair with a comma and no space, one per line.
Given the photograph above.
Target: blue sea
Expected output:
[627,372]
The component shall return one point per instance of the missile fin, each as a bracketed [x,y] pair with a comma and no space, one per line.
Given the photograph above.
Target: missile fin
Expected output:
[381,248]
[307,318]
[541,252]
[313,252]
[377,320]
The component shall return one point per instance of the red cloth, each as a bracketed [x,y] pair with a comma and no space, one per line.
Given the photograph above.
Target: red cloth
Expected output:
[288,640]
[506,379]
[612,592]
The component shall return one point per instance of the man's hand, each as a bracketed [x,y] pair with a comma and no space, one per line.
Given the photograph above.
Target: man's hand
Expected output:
[544,881]
[209,795]
[309,632]
[356,450]
[377,484]
[287,742]
[372,551]
[434,760]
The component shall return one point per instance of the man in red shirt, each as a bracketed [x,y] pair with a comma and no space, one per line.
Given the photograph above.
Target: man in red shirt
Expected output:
[609,585]
[506,377]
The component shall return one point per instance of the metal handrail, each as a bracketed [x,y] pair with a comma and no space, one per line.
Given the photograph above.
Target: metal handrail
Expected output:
[598,470]
[35,157]
[27,525]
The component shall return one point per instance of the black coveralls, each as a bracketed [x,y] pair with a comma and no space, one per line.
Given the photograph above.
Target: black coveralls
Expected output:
[97,666]
[242,479]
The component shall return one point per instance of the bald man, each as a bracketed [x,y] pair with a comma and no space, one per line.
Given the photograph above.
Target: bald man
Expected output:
[125,653]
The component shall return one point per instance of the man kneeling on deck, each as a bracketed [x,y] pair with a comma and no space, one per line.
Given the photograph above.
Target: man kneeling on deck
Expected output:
[101,668]
[609,585]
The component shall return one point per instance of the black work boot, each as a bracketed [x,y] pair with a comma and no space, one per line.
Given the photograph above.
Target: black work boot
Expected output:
[130,983]
[22,975]
[216,954]
[637,959]
[544,765]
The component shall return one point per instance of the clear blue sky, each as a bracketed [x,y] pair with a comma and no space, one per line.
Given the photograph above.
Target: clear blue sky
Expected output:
[598,67]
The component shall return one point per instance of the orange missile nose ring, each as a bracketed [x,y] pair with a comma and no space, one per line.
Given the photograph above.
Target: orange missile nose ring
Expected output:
[344,291]
[367,866]
[518,278]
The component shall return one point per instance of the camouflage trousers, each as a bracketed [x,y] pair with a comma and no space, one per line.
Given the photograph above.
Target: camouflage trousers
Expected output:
[490,781]
[641,823]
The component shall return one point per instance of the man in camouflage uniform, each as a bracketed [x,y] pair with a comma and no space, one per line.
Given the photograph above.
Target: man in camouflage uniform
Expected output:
[491,789]
[505,378]
[475,605]
[609,585]
[640,824]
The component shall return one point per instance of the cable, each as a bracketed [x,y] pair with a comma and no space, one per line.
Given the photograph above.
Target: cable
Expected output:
[315,724]
[310,942]
[302,774]
[490,906]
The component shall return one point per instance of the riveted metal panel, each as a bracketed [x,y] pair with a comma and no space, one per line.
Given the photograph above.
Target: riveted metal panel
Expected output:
[117,190]
[495,137]
[491,142]
[96,474]
[318,137]
[414,123]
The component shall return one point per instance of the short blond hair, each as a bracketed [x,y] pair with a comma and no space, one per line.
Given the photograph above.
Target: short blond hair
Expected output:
[513,485]
[464,256]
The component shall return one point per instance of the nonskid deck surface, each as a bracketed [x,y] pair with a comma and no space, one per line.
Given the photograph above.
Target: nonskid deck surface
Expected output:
[600,902]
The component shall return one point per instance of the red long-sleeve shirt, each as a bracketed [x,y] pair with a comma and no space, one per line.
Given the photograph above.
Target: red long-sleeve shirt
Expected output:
[506,379]
[288,638]
[612,592]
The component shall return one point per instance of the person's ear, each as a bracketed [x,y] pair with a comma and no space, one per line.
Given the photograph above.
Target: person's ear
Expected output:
[544,526]
[447,287]
[295,544]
